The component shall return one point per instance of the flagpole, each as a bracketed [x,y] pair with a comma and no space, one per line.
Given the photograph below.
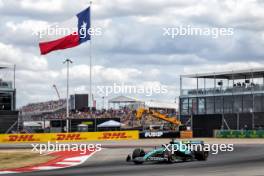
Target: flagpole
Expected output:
[90,86]
[68,61]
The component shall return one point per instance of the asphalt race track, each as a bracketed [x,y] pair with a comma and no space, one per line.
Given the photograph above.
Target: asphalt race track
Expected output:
[244,160]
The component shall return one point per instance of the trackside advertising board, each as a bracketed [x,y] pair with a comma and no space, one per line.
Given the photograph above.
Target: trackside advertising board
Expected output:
[68,137]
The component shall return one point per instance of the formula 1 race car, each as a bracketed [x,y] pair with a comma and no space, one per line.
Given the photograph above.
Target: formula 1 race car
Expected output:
[175,151]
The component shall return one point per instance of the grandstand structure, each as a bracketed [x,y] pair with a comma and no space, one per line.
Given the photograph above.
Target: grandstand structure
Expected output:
[224,100]
[8,113]
[50,116]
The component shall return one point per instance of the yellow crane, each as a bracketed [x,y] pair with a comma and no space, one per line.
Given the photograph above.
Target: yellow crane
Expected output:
[177,125]
[142,111]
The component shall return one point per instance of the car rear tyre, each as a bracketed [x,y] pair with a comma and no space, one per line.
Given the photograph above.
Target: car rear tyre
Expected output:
[169,157]
[201,155]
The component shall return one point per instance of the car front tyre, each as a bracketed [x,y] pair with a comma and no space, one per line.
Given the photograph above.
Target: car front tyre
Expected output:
[138,153]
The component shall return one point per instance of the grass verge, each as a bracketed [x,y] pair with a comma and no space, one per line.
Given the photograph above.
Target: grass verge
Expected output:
[10,159]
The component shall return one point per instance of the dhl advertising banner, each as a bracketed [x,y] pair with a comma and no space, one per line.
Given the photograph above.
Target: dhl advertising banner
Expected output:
[68,137]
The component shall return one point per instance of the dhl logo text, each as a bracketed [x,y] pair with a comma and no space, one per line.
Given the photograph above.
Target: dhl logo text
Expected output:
[66,137]
[24,137]
[113,135]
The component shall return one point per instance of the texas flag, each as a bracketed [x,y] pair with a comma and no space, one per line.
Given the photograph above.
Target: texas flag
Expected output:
[68,34]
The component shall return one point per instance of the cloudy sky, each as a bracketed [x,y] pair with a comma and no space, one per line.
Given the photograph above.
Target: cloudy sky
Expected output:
[132,48]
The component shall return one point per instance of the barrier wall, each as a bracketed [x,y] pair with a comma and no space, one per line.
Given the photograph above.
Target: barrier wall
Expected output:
[205,124]
[68,137]
[7,119]
[239,133]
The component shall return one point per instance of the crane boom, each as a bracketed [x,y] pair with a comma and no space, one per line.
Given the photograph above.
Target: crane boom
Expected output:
[141,111]
[57,92]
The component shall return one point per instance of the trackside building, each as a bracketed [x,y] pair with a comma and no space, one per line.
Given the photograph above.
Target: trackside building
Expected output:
[8,113]
[231,100]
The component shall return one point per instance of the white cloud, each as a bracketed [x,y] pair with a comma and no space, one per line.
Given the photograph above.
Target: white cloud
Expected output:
[132,48]
[40,5]
[27,25]
[210,68]
[101,73]
[12,55]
